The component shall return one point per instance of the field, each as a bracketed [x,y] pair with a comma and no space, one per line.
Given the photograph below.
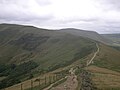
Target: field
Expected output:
[105,79]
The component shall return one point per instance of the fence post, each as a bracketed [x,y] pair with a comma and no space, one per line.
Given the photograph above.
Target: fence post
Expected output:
[45,80]
[53,78]
[21,86]
[39,82]
[31,85]
[50,79]
[57,76]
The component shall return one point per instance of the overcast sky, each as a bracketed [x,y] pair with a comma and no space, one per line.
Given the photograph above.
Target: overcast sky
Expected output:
[102,16]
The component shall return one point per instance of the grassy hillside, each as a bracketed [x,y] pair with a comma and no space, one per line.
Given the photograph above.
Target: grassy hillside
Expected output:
[105,69]
[104,79]
[115,38]
[27,51]
[108,57]
[88,34]
[24,43]
[40,49]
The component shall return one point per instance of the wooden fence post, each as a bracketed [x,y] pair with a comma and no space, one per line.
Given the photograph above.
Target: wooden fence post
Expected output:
[53,78]
[45,80]
[21,86]
[56,76]
[50,79]
[39,82]
[31,85]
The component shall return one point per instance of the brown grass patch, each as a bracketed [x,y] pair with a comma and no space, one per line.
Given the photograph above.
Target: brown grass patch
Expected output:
[104,78]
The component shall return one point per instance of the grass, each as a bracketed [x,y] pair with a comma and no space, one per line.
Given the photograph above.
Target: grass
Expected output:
[58,50]
[55,82]
[115,38]
[42,86]
[108,58]
[105,79]
[39,87]
[61,81]
[27,83]
[1,78]
[14,73]
[116,47]
[78,71]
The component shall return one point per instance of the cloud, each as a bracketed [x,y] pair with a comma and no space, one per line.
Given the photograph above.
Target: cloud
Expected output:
[102,16]
[23,10]
[114,4]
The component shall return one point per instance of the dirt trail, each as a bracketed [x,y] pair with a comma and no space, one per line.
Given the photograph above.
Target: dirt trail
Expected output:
[86,81]
[91,60]
[70,84]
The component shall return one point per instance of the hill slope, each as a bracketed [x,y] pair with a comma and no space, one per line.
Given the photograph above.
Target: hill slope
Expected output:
[87,34]
[26,50]
[20,42]
[115,38]
[108,58]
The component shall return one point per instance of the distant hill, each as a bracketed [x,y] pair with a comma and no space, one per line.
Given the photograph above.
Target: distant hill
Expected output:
[22,43]
[108,57]
[88,34]
[115,38]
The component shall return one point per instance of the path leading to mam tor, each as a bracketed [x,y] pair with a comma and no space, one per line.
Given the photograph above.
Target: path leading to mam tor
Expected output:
[91,60]
[70,84]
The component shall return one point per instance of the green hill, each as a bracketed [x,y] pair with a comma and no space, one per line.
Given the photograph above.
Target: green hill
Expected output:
[26,50]
[105,69]
[108,57]
[24,43]
[115,38]
[88,34]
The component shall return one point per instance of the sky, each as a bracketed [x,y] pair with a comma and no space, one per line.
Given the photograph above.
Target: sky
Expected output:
[102,16]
